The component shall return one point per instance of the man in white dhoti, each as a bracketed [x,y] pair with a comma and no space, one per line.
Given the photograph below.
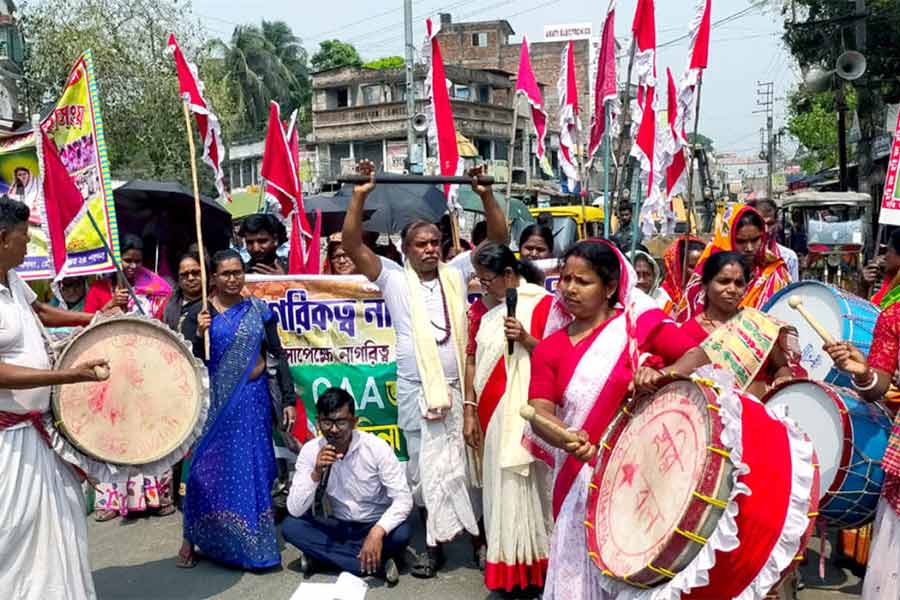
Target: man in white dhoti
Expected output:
[43,537]
[427,301]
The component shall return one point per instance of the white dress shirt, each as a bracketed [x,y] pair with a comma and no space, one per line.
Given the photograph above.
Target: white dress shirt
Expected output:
[366,485]
[21,344]
[791,261]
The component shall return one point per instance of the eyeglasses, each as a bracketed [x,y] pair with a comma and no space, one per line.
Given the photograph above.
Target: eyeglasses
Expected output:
[487,282]
[339,424]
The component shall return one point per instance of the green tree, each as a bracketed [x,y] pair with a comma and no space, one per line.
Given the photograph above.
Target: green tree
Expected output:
[333,54]
[388,62]
[702,140]
[812,120]
[136,80]
[289,49]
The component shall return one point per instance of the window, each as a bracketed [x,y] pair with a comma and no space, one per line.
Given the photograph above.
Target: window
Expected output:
[371,94]
[461,92]
[484,94]
[479,40]
[342,97]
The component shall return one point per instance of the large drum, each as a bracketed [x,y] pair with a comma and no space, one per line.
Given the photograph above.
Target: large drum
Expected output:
[152,406]
[692,477]
[850,437]
[845,316]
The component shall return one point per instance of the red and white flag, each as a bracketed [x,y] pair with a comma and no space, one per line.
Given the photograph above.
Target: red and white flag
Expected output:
[527,84]
[644,109]
[441,129]
[676,170]
[606,89]
[569,124]
[191,89]
[63,203]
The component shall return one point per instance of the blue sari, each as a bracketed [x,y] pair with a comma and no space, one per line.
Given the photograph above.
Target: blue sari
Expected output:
[228,510]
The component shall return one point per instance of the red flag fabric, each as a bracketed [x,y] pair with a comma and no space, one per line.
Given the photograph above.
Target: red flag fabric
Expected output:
[528,85]
[700,42]
[441,128]
[605,86]
[698,60]
[644,148]
[567,89]
[278,168]
[191,89]
[63,202]
[677,168]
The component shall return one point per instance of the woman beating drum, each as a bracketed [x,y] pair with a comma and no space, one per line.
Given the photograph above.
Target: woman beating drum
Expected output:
[598,327]
[228,513]
[516,506]
[871,378]
[722,326]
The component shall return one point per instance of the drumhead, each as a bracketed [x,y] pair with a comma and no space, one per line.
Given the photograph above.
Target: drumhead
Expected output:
[149,406]
[821,302]
[816,413]
[648,482]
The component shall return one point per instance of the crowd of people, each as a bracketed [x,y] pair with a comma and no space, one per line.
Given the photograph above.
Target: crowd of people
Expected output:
[475,467]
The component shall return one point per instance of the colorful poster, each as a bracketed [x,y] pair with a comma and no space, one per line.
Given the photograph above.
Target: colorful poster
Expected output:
[336,332]
[77,128]
[890,201]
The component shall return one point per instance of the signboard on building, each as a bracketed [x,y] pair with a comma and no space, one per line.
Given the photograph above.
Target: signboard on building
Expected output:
[574,31]
[395,154]
[890,201]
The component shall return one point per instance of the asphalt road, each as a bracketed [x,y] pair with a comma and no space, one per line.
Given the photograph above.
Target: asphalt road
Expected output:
[134,559]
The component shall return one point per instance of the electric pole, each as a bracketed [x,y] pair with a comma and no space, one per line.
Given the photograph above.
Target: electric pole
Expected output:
[765,99]
[410,85]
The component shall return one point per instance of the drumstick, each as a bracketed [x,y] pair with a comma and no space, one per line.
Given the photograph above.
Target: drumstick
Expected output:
[796,302]
[101,373]
[528,413]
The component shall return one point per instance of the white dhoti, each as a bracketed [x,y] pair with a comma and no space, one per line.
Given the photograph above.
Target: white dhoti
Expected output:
[43,535]
[882,581]
[437,472]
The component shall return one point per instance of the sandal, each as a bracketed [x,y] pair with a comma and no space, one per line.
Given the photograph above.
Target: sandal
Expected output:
[165,511]
[101,516]
[427,565]
[186,557]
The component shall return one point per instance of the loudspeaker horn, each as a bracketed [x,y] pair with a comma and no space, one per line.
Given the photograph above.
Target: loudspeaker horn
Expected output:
[851,65]
[420,123]
[817,79]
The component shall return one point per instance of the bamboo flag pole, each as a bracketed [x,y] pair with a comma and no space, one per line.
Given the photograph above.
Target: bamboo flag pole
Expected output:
[606,159]
[690,190]
[511,153]
[622,163]
[197,219]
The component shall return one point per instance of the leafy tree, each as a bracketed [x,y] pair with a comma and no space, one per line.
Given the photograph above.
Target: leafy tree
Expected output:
[702,140]
[333,54]
[812,120]
[138,87]
[289,49]
[388,62]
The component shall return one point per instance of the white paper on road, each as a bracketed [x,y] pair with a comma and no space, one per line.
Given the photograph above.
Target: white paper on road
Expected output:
[347,587]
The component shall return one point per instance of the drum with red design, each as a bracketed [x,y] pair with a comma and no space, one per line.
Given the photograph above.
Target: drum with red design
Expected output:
[671,473]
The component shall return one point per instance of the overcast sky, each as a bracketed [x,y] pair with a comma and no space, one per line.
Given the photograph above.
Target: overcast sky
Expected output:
[742,52]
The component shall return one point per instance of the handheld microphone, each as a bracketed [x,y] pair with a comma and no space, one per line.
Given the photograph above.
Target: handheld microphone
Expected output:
[512,298]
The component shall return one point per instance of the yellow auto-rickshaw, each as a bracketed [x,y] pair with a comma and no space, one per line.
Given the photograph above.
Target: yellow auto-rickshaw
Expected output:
[570,224]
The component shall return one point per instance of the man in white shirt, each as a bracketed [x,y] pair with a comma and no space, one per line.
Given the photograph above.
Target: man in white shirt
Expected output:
[349,501]
[427,301]
[769,212]
[43,537]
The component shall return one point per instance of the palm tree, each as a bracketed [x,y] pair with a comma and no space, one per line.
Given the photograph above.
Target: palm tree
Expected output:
[289,48]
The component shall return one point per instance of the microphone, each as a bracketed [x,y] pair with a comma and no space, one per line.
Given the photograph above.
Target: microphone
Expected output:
[512,298]
[321,505]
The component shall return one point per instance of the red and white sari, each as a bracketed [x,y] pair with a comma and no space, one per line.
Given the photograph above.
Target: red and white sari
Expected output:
[516,500]
[589,381]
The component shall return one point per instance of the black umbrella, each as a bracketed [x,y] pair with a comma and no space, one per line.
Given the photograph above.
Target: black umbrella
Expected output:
[398,205]
[333,208]
[162,213]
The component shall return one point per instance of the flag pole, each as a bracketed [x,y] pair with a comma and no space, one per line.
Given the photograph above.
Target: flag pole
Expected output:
[690,190]
[636,214]
[197,221]
[512,153]
[122,280]
[606,160]
[626,124]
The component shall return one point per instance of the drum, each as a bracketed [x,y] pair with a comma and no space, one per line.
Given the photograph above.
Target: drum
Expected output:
[151,408]
[850,437]
[693,477]
[846,317]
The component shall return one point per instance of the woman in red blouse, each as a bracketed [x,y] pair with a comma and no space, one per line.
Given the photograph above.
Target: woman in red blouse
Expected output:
[581,373]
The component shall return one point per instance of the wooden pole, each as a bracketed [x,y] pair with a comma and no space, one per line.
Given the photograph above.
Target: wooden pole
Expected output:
[690,189]
[606,160]
[511,154]
[197,220]
[626,125]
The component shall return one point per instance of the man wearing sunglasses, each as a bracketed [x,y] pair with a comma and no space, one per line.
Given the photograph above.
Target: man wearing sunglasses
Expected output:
[349,501]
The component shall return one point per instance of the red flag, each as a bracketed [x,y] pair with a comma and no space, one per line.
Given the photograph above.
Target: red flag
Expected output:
[191,89]
[527,84]
[278,167]
[698,61]
[644,148]
[676,169]
[441,129]
[63,202]
[605,87]
[700,36]
[296,263]
[567,89]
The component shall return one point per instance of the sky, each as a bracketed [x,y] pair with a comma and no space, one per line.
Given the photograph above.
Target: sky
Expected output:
[743,51]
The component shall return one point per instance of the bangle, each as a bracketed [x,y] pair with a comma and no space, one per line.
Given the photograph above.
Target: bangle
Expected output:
[865,387]
[470,403]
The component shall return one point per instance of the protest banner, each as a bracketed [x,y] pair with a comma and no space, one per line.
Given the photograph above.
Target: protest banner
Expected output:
[336,332]
[75,125]
[890,200]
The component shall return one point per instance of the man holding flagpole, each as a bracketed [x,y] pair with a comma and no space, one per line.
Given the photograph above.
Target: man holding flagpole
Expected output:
[427,302]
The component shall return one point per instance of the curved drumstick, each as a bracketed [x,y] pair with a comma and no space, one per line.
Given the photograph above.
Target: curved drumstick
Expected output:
[796,302]
[528,413]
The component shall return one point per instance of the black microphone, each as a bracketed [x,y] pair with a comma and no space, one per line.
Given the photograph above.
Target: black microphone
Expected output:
[512,298]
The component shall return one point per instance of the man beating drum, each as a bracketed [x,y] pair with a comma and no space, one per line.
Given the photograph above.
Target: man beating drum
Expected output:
[43,537]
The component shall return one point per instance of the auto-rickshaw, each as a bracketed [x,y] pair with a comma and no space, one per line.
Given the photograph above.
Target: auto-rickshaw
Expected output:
[836,228]
[570,224]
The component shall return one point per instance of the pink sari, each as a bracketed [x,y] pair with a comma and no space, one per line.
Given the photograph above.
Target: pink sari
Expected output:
[589,381]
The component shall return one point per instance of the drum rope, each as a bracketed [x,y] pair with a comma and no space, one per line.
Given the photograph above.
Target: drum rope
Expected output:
[720,451]
[697,539]
[661,571]
[710,500]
